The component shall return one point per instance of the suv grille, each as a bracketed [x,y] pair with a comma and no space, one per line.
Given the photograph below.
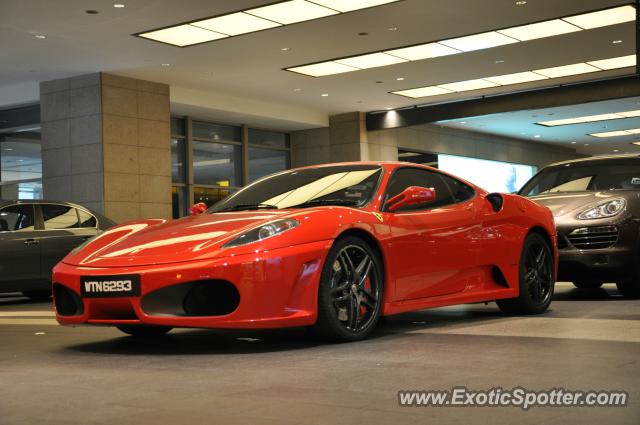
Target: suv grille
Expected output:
[593,237]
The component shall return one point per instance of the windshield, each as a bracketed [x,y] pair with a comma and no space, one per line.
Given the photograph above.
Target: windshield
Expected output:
[618,174]
[351,185]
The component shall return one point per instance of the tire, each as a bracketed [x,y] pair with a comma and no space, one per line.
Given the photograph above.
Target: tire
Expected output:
[587,284]
[629,288]
[536,278]
[351,291]
[142,331]
[38,295]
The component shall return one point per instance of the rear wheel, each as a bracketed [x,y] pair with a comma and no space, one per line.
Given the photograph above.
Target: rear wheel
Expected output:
[350,293]
[536,279]
[142,331]
[587,284]
[37,295]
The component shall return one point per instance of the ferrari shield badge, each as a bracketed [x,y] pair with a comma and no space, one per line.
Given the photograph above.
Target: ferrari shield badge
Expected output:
[379,216]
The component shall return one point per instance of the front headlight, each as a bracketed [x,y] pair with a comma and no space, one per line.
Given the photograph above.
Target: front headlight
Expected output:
[604,210]
[263,232]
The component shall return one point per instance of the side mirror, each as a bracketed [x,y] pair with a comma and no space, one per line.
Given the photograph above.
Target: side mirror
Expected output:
[198,208]
[412,195]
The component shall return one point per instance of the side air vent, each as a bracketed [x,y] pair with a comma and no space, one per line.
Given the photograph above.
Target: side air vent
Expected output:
[496,201]
[67,302]
[498,276]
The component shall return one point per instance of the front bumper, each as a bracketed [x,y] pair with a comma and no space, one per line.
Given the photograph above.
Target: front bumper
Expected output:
[605,264]
[277,289]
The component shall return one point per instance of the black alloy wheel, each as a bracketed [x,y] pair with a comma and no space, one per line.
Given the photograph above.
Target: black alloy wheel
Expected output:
[350,294]
[536,278]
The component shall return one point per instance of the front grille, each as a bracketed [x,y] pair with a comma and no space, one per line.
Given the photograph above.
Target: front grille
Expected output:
[593,237]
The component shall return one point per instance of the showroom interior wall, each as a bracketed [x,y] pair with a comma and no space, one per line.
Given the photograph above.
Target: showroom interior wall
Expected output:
[347,139]
[106,144]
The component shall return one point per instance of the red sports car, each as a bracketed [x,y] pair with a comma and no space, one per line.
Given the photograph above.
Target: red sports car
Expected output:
[333,246]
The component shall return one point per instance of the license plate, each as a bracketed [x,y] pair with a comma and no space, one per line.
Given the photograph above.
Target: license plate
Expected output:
[110,286]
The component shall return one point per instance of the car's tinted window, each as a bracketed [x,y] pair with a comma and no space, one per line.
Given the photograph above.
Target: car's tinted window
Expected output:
[610,174]
[59,216]
[405,177]
[461,191]
[86,219]
[17,218]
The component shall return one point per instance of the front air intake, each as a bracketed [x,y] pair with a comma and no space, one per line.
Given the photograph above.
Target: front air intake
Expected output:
[67,302]
[191,299]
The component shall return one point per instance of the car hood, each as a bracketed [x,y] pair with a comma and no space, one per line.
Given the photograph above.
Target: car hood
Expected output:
[570,204]
[157,241]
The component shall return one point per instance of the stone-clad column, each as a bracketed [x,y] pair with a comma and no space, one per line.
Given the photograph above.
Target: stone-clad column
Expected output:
[106,144]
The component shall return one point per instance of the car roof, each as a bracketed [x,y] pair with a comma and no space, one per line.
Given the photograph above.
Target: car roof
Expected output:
[595,159]
[39,201]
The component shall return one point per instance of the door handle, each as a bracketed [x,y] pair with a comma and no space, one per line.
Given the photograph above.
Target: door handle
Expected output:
[31,242]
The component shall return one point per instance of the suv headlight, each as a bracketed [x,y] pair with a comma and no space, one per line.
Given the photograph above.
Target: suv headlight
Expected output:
[263,232]
[607,209]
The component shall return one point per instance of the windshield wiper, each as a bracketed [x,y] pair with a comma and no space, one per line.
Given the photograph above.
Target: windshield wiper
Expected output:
[318,202]
[241,207]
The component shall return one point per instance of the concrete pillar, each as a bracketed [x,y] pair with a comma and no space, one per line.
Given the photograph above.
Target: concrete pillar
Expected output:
[106,144]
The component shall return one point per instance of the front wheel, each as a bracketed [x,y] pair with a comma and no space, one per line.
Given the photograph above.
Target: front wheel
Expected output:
[629,288]
[350,292]
[536,279]
[142,331]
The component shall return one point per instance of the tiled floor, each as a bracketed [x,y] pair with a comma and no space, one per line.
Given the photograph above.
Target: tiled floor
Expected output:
[55,375]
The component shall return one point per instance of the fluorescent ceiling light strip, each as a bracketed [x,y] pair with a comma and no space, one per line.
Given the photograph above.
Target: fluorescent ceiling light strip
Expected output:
[371,61]
[603,18]
[591,118]
[256,19]
[496,81]
[490,39]
[616,133]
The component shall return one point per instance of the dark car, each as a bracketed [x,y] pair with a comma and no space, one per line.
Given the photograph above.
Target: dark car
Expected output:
[35,236]
[596,205]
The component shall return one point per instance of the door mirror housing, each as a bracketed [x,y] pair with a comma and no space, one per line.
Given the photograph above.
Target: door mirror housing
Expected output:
[412,195]
[197,209]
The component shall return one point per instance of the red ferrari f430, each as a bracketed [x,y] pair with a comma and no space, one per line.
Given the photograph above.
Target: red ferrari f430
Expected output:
[333,247]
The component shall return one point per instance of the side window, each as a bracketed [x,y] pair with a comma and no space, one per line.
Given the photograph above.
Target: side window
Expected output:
[19,218]
[59,216]
[86,219]
[461,191]
[405,177]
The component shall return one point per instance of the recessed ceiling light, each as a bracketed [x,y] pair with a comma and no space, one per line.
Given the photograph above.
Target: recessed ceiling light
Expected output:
[183,35]
[40,36]
[566,70]
[517,78]
[616,150]
[463,122]
[292,11]
[478,41]
[573,143]
[616,15]
[586,144]
[323,68]
[499,61]
[615,63]
[605,134]
[468,85]
[7,149]
[388,109]
[324,94]
[521,2]
[166,64]
[297,89]
[540,30]
[285,49]
[236,24]
[423,92]
[392,29]
[616,41]
[400,79]
[348,6]
[537,136]
[118,5]
[372,60]
[423,51]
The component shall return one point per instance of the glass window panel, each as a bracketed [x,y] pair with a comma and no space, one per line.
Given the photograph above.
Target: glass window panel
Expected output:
[178,161]
[268,138]
[21,190]
[86,219]
[217,164]
[210,195]
[406,177]
[263,162]
[20,156]
[179,201]
[177,126]
[216,132]
[59,216]
[17,218]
